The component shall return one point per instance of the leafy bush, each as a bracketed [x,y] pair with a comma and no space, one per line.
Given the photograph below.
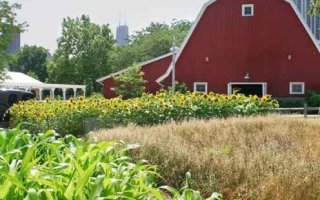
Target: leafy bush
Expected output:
[291,103]
[43,167]
[68,117]
[180,87]
[313,99]
[130,84]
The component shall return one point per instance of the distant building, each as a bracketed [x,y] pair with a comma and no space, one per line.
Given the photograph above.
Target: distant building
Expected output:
[49,55]
[122,36]
[312,21]
[15,45]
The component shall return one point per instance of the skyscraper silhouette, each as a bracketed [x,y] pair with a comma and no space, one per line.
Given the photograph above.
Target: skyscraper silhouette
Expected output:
[14,45]
[122,36]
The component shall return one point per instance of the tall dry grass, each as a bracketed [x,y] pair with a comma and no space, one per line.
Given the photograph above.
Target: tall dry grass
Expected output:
[269,157]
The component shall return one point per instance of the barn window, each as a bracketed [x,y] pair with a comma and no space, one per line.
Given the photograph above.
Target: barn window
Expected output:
[296,87]
[247,10]
[200,87]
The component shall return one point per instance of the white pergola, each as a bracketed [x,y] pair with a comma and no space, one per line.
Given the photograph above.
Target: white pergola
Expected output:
[19,80]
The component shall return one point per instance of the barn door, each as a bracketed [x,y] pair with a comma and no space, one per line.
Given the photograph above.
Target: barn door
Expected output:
[247,89]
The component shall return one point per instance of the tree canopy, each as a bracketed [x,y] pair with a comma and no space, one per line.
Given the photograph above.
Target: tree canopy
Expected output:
[8,27]
[315,7]
[151,42]
[86,50]
[130,84]
[83,53]
[31,60]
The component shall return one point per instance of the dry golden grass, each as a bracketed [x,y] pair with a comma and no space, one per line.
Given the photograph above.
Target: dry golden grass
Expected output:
[271,157]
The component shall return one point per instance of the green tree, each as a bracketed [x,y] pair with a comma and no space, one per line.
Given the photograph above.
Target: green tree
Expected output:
[315,7]
[31,59]
[130,84]
[33,75]
[151,42]
[156,39]
[83,53]
[122,57]
[8,27]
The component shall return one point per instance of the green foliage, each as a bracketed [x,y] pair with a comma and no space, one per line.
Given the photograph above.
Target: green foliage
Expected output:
[313,99]
[291,103]
[130,84]
[83,53]
[186,193]
[31,60]
[156,39]
[180,87]
[8,27]
[67,117]
[151,42]
[315,7]
[122,57]
[86,52]
[33,75]
[44,167]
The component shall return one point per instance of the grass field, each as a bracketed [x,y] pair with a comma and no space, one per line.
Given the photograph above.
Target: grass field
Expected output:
[271,157]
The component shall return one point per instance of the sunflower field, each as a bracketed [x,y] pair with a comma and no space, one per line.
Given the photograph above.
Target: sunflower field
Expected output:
[67,117]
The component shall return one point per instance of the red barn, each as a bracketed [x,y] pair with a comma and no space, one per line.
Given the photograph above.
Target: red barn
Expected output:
[250,46]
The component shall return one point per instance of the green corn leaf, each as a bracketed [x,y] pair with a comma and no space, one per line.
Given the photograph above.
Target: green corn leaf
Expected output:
[48,195]
[97,187]
[188,180]
[5,188]
[188,194]
[174,192]
[13,180]
[155,193]
[25,165]
[215,196]
[32,195]
[84,177]
[69,193]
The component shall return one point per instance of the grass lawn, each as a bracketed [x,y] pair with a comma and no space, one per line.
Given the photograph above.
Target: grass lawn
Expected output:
[272,157]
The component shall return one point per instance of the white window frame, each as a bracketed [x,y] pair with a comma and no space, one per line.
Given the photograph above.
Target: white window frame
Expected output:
[264,86]
[195,84]
[297,83]
[244,6]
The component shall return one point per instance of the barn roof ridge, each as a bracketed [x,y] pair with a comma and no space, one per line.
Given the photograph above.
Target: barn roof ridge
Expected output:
[100,80]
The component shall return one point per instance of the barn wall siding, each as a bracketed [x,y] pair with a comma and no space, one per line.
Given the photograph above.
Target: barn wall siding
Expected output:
[259,45]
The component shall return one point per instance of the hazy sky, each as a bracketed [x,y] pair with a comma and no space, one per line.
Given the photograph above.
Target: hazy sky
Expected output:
[45,16]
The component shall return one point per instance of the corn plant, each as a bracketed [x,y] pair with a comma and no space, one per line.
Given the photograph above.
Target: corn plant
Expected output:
[186,193]
[44,166]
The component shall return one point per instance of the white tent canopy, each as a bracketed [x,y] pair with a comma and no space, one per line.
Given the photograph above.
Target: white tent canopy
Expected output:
[18,80]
